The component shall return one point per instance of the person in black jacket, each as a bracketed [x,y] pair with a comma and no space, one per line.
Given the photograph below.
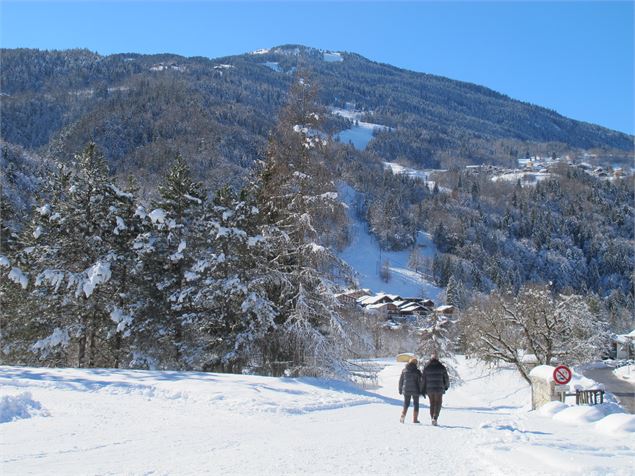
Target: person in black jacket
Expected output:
[410,387]
[434,383]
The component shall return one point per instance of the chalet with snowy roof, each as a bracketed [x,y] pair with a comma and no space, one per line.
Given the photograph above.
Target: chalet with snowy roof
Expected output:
[446,310]
[350,296]
[380,298]
[387,308]
[413,309]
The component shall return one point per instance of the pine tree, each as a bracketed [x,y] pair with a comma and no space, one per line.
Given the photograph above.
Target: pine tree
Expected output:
[67,250]
[168,249]
[455,295]
[231,274]
[297,198]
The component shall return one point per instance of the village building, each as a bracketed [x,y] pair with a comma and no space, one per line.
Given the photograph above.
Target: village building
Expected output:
[624,346]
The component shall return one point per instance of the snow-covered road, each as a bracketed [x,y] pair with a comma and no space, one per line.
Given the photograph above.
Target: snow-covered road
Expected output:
[142,422]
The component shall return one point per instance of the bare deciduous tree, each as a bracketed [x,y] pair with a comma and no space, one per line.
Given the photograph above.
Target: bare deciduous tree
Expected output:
[550,327]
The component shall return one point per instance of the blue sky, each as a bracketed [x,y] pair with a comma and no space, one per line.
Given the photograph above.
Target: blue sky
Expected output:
[573,57]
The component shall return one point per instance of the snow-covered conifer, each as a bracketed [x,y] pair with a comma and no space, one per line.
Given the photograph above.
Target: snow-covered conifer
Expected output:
[69,256]
[298,200]
[167,247]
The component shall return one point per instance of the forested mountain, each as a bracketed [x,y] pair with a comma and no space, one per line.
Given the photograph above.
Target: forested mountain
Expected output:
[141,109]
[219,253]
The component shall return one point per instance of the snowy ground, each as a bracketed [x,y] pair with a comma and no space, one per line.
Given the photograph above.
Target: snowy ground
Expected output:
[361,133]
[365,257]
[526,177]
[415,173]
[626,372]
[142,422]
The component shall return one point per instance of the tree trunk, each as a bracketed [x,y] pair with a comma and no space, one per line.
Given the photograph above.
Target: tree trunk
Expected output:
[91,348]
[117,350]
[81,352]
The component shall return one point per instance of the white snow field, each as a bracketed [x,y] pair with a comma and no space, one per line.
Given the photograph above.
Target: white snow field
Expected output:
[424,175]
[364,256]
[361,133]
[148,422]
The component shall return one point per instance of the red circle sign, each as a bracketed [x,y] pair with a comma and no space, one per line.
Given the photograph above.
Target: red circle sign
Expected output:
[562,374]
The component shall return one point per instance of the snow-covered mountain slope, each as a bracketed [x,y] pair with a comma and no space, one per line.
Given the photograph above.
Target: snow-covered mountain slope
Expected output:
[365,257]
[141,422]
[361,133]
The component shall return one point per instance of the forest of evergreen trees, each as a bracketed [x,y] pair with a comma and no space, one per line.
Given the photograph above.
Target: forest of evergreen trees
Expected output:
[238,282]
[572,230]
[219,255]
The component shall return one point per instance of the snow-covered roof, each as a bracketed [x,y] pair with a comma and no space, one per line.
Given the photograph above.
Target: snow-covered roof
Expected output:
[392,325]
[370,300]
[412,308]
[380,306]
[446,308]
[365,300]
[394,297]
[624,338]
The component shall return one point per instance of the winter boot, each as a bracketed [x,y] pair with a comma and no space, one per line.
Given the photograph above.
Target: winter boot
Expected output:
[403,417]
[434,422]
[415,417]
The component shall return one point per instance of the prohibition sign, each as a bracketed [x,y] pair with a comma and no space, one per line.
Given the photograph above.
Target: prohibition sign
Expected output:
[562,374]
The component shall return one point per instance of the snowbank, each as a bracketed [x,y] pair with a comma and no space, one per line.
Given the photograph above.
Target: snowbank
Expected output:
[544,372]
[607,418]
[219,392]
[626,372]
[551,408]
[18,407]
[616,423]
[579,414]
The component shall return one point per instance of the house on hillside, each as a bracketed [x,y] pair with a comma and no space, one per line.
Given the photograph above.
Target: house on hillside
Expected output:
[387,308]
[350,297]
[380,298]
[446,310]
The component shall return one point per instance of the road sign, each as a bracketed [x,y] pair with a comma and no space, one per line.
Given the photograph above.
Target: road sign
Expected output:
[561,388]
[562,374]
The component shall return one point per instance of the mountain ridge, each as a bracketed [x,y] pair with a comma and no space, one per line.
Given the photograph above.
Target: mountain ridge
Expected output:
[218,111]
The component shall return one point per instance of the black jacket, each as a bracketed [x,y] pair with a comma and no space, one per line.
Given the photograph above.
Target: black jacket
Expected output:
[410,380]
[435,378]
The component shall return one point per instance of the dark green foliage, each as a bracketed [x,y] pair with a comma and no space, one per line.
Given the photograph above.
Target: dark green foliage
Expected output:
[140,109]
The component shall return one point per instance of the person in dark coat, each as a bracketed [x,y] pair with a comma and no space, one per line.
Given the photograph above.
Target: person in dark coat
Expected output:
[410,387]
[434,383]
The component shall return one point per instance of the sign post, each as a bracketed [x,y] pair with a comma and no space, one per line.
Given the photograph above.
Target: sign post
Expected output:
[562,376]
